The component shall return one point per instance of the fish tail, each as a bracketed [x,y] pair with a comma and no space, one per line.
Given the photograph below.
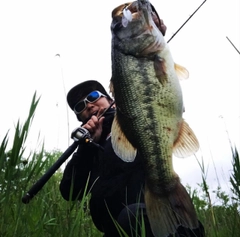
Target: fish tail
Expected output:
[167,212]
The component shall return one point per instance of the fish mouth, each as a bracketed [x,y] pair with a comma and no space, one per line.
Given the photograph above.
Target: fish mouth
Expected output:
[137,8]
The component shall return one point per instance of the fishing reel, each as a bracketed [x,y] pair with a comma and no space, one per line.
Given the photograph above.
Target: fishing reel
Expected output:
[81,135]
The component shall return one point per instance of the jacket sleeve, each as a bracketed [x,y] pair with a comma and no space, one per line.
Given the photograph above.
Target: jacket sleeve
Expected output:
[77,172]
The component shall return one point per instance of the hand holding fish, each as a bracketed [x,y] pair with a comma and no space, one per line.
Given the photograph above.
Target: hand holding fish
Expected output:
[162,27]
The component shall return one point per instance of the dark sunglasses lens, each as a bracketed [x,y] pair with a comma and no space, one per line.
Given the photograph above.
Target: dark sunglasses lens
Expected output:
[93,96]
[79,106]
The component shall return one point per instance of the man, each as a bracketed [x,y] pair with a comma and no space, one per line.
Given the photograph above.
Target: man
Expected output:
[116,186]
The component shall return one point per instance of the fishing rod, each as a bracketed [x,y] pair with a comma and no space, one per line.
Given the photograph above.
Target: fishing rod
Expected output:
[186,21]
[233,45]
[79,135]
[64,89]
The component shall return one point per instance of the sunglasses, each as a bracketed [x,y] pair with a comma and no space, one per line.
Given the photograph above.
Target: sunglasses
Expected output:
[90,98]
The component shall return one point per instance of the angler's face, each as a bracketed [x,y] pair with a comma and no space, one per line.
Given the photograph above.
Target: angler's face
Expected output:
[95,108]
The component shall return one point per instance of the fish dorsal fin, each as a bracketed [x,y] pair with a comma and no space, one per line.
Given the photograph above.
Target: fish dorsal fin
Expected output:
[187,142]
[181,72]
[121,146]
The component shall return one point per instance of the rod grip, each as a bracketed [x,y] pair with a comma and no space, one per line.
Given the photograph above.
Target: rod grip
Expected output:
[43,180]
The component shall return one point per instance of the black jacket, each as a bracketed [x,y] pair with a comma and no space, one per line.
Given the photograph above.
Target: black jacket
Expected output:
[113,183]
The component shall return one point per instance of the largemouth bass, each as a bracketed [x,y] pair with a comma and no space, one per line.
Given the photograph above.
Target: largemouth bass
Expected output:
[149,108]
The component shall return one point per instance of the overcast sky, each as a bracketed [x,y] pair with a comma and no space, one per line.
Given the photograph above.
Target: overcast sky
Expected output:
[33,32]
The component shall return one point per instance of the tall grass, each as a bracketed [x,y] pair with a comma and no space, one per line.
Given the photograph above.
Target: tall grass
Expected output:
[49,215]
[222,219]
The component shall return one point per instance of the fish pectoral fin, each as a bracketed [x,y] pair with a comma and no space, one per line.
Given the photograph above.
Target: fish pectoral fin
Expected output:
[121,146]
[182,72]
[187,143]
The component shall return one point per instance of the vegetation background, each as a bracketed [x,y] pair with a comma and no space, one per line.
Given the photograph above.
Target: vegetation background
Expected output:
[49,215]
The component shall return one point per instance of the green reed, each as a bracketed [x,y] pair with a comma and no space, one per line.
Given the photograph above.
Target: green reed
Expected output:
[49,215]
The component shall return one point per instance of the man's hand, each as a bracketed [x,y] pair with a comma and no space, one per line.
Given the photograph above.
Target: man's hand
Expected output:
[162,27]
[94,126]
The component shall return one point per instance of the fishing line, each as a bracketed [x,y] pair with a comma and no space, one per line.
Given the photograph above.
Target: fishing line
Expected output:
[233,45]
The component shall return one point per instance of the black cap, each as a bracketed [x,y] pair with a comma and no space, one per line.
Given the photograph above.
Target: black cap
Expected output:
[81,90]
